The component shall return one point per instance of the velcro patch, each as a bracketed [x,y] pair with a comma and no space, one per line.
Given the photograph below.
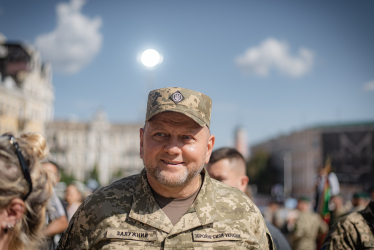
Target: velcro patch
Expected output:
[131,235]
[177,97]
[215,236]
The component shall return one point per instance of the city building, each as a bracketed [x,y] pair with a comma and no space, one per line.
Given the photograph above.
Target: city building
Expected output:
[80,146]
[27,105]
[299,155]
[26,90]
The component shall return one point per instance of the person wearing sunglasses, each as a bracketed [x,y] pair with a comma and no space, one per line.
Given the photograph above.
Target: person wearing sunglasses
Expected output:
[25,188]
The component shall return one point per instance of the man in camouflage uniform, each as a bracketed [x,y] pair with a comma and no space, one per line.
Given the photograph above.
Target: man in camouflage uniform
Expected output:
[353,231]
[172,203]
[227,165]
[307,227]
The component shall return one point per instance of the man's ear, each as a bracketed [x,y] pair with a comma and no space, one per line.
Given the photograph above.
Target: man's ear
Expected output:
[141,142]
[210,146]
[15,210]
[243,182]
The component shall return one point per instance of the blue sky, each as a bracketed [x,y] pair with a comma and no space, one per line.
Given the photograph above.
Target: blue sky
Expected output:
[269,66]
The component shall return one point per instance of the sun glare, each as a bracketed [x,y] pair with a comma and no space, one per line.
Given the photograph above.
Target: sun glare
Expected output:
[150,58]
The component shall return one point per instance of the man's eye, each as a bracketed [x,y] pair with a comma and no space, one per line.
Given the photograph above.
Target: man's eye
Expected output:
[159,134]
[187,137]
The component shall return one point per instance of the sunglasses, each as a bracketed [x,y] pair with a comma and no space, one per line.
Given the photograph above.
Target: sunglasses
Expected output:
[25,169]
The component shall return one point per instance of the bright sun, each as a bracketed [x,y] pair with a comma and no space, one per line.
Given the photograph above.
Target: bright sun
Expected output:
[150,58]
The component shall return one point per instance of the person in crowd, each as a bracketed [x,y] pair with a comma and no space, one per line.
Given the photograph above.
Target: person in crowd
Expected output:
[228,166]
[327,185]
[360,200]
[25,188]
[354,231]
[338,208]
[74,196]
[308,226]
[271,213]
[172,203]
[55,169]
[56,221]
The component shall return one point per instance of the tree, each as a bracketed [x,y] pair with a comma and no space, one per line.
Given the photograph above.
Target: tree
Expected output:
[262,171]
[257,163]
[94,173]
[67,178]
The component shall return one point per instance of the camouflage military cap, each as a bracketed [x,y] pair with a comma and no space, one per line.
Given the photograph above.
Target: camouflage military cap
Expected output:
[191,103]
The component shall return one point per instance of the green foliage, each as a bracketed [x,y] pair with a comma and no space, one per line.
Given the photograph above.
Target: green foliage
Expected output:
[257,164]
[67,178]
[261,171]
[94,173]
[118,174]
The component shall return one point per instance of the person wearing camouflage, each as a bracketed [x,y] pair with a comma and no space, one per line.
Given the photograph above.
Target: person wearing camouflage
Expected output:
[353,231]
[308,226]
[172,203]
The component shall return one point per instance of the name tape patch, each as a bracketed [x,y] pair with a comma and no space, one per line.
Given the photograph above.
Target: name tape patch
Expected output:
[131,234]
[216,236]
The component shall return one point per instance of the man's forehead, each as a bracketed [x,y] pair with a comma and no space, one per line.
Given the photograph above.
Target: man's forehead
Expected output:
[222,165]
[233,165]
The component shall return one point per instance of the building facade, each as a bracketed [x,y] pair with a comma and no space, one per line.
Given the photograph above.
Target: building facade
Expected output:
[80,146]
[26,90]
[300,154]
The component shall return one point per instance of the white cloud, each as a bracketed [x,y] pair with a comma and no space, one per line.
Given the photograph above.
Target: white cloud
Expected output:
[272,53]
[369,86]
[74,42]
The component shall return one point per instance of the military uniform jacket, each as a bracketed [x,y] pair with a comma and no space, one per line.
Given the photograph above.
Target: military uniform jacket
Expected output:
[124,215]
[307,227]
[352,231]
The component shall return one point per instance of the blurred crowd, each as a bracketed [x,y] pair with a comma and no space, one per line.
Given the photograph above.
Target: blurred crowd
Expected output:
[300,223]
[305,221]
[290,217]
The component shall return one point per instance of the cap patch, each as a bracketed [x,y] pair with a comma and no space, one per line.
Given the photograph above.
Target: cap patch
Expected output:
[177,97]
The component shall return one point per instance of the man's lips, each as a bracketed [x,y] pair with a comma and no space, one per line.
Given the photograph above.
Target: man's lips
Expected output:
[171,162]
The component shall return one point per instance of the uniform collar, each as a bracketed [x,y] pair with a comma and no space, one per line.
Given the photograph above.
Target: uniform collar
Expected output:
[145,209]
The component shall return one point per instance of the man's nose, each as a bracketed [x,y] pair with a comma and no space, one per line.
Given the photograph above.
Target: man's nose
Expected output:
[173,146]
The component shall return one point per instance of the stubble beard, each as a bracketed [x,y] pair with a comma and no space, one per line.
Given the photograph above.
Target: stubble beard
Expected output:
[179,181]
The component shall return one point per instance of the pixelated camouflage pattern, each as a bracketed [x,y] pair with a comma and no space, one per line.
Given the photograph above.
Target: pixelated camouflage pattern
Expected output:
[124,215]
[351,232]
[195,105]
[307,227]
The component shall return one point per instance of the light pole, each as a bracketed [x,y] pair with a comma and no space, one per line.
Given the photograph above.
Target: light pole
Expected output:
[287,172]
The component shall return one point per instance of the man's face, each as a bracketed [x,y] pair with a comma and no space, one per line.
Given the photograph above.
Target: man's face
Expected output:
[53,169]
[72,195]
[174,148]
[222,171]
[303,206]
